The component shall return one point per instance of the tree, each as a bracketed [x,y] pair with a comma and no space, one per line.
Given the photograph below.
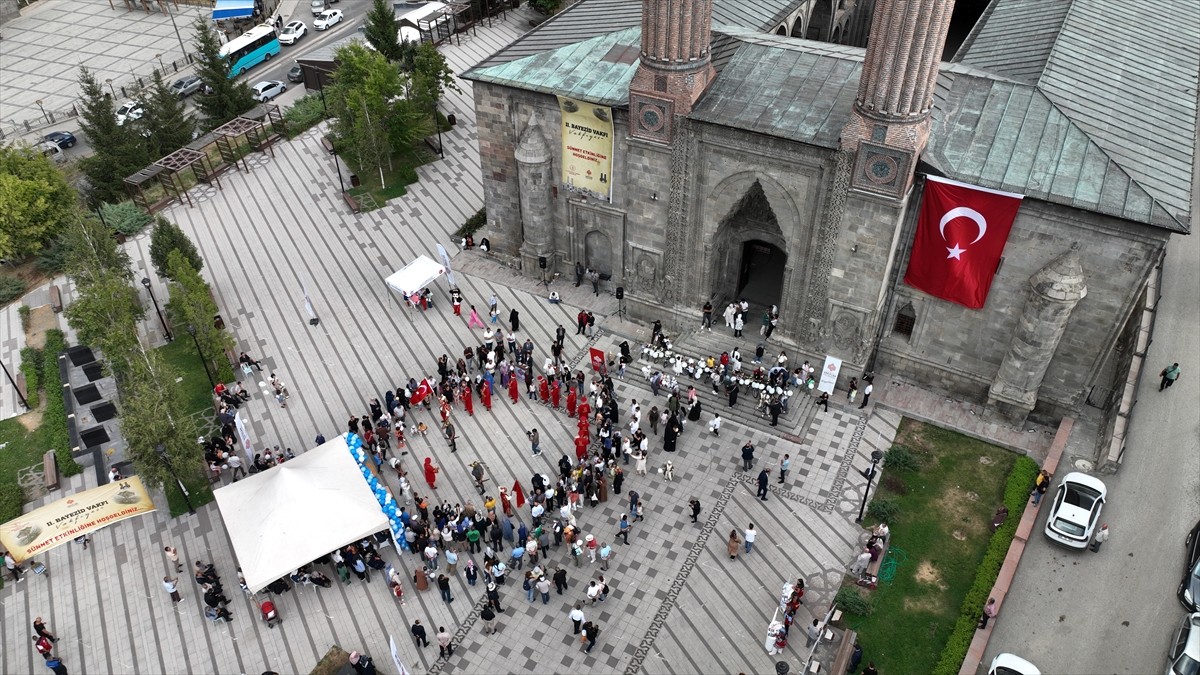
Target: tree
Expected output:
[118,151]
[166,119]
[153,417]
[90,250]
[366,97]
[228,98]
[166,238]
[192,308]
[36,202]
[105,315]
[382,30]
[431,76]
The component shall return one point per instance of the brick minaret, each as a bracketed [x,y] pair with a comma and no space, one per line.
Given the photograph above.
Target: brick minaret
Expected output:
[675,65]
[890,123]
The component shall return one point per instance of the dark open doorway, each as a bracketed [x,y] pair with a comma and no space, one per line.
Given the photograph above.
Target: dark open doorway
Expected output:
[760,274]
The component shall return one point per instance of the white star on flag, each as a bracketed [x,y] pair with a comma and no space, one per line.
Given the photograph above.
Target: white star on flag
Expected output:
[955,252]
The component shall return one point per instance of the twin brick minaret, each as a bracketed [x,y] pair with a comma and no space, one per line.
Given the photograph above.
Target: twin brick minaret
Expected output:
[890,122]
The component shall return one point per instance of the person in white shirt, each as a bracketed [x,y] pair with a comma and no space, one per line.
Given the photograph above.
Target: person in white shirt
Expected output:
[715,425]
[576,617]
[748,537]
[867,395]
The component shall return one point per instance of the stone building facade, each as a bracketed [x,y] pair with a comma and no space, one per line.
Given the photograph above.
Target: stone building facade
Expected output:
[789,172]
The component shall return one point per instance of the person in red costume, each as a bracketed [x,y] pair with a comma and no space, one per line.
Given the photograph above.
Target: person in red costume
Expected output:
[513,392]
[571,402]
[431,473]
[555,393]
[485,395]
[466,399]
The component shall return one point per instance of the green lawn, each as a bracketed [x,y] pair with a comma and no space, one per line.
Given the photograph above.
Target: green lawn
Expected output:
[939,536]
[20,449]
[404,172]
[194,386]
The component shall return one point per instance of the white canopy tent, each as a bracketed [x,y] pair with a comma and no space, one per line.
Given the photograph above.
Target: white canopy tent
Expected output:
[296,512]
[415,276]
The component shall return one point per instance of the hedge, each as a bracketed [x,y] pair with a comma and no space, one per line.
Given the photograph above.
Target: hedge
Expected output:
[54,420]
[1016,494]
[31,365]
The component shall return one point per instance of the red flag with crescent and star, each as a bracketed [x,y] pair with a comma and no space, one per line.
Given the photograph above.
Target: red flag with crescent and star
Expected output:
[519,493]
[424,389]
[961,233]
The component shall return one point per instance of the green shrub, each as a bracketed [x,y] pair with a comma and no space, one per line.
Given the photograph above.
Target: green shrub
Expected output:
[1016,494]
[31,365]
[473,224]
[851,601]
[12,499]
[901,458]
[546,7]
[24,311]
[11,288]
[54,420]
[127,218]
[304,114]
[52,259]
[883,508]
[894,483]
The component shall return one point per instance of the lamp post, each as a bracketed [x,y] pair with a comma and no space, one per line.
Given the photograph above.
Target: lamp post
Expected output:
[336,167]
[162,454]
[166,331]
[177,35]
[13,382]
[161,64]
[438,124]
[192,331]
[110,87]
[869,474]
[39,105]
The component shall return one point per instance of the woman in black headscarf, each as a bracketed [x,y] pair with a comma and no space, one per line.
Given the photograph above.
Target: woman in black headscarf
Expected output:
[694,412]
[670,434]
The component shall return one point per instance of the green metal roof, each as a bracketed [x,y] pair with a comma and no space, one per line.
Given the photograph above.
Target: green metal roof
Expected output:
[597,70]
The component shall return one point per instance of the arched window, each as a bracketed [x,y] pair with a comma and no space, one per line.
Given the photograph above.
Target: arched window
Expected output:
[906,320]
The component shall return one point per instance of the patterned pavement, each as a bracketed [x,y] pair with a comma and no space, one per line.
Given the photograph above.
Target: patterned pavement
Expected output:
[678,604]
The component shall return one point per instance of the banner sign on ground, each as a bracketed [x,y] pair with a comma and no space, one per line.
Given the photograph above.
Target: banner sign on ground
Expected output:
[596,356]
[587,148]
[70,517]
[829,374]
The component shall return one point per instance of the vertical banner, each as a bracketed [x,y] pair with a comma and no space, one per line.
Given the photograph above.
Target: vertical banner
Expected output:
[396,656]
[596,356]
[587,148]
[829,374]
[446,263]
[244,434]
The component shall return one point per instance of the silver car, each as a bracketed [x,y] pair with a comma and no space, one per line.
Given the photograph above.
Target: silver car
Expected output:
[186,85]
[1184,656]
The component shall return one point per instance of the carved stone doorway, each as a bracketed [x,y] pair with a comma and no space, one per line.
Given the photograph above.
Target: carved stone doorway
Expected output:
[760,275]
[597,252]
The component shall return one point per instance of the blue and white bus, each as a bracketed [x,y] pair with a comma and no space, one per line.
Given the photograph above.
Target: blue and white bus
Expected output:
[250,49]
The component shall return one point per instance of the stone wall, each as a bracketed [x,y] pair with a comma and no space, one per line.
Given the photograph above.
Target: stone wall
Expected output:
[958,350]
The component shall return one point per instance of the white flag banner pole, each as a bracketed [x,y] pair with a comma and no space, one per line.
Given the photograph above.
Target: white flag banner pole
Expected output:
[400,669]
[308,307]
[446,263]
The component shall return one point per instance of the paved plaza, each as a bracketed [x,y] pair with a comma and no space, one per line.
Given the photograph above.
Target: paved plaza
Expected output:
[678,604]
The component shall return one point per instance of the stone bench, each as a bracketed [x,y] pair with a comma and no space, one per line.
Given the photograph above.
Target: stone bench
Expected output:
[56,303]
[50,469]
[351,202]
[327,143]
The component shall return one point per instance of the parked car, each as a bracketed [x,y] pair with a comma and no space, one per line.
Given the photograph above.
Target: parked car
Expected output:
[292,32]
[295,74]
[328,18]
[1189,588]
[129,110]
[268,89]
[186,85]
[1075,510]
[1011,664]
[63,139]
[318,6]
[52,151]
[1184,656]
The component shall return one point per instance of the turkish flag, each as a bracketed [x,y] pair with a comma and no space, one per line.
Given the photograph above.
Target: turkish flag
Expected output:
[961,233]
[424,389]
[520,494]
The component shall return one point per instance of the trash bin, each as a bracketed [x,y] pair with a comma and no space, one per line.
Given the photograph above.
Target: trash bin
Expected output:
[354,182]
[218,322]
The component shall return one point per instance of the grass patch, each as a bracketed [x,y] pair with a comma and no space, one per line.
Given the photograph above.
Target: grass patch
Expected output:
[199,491]
[403,174]
[193,385]
[21,448]
[332,662]
[944,497]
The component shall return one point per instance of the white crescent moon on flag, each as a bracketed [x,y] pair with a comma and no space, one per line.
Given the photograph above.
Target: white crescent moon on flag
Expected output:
[963,212]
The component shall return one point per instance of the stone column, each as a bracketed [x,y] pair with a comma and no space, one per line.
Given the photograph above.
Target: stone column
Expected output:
[1054,291]
[534,168]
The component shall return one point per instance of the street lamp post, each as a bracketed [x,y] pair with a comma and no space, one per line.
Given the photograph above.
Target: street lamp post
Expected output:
[869,474]
[110,87]
[192,331]
[438,124]
[177,35]
[336,167]
[162,454]
[39,105]
[13,382]
[161,64]
[166,331]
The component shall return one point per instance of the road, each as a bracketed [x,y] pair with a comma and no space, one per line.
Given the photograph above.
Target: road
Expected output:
[1116,611]
[275,69]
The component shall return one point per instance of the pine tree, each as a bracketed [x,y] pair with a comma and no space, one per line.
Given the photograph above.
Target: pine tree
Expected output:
[223,98]
[118,151]
[383,30]
[166,238]
[167,120]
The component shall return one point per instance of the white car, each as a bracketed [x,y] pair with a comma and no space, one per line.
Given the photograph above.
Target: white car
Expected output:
[292,32]
[1011,664]
[1184,657]
[328,18]
[1075,510]
[129,110]
[268,89]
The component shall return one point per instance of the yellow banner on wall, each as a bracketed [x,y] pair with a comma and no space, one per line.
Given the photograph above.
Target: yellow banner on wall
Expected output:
[70,517]
[587,147]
